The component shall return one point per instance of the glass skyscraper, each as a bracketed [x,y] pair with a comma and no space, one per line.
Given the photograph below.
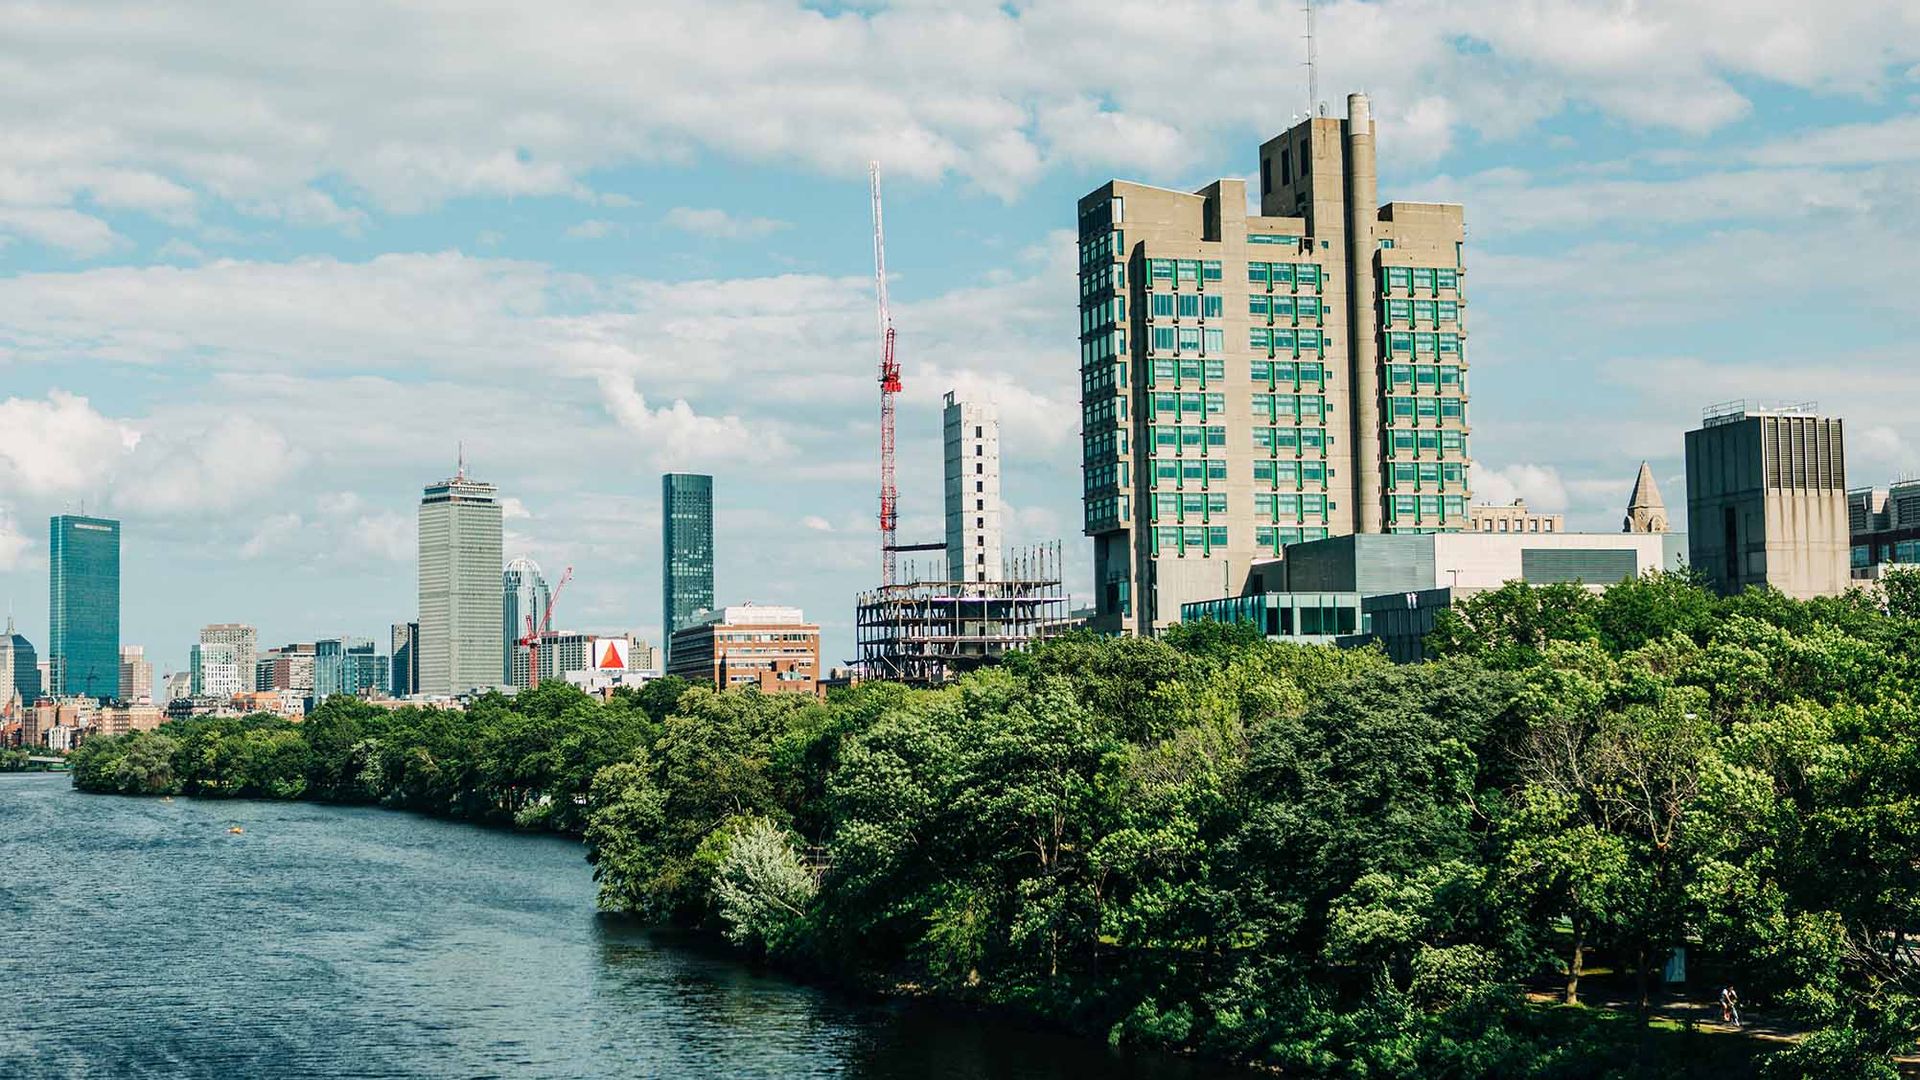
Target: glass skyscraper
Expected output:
[523,596]
[83,577]
[686,546]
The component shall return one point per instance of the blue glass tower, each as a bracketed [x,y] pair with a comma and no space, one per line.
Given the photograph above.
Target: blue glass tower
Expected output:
[686,546]
[83,579]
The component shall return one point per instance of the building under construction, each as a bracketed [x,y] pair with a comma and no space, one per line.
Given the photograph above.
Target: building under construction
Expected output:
[926,633]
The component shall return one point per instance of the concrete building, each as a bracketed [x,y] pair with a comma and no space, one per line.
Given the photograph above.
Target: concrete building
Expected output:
[769,647]
[1250,381]
[926,633]
[19,672]
[83,585]
[289,667]
[215,668]
[686,552]
[1355,588]
[246,648]
[124,718]
[1767,500]
[179,686]
[348,665]
[1514,517]
[461,631]
[523,600]
[136,675]
[1646,510]
[971,431]
[405,650]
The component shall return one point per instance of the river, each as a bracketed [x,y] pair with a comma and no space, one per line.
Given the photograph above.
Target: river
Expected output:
[142,939]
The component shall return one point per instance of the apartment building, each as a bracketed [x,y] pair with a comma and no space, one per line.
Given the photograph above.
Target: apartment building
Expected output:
[1250,381]
[769,647]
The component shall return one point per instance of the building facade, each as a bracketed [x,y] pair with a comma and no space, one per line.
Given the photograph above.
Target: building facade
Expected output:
[524,597]
[83,577]
[1513,517]
[1250,381]
[19,672]
[405,650]
[769,647]
[246,648]
[1767,500]
[686,551]
[461,631]
[348,665]
[289,667]
[215,667]
[136,675]
[971,431]
[179,686]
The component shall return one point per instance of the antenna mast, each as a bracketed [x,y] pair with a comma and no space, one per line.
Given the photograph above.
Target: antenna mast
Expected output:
[889,384]
[1313,67]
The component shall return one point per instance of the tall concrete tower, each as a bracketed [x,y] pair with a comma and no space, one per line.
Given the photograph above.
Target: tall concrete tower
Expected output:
[1767,500]
[461,631]
[972,430]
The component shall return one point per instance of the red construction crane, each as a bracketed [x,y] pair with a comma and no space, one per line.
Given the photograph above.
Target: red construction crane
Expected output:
[545,625]
[889,385]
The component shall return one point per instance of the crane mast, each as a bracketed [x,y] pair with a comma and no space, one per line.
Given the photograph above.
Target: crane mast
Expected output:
[543,625]
[889,385]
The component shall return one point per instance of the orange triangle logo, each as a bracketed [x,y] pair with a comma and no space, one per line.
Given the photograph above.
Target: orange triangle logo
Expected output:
[612,658]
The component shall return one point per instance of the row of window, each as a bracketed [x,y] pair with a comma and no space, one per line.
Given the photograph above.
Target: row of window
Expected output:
[1401,443]
[1109,511]
[1279,474]
[1105,313]
[1297,309]
[1273,408]
[1426,408]
[1177,373]
[1189,339]
[1298,275]
[1102,247]
[1102,377]
[1163,437]
[1291,508]
[1425,509]
[1295,441]
[1106,443]
[1276,341]
[1422,312]
[1418,474]
[1098,279]
[1421,278]
[1280,372]
[1188,505]
[1103,347]
[1270,238]
[1189,539]
[1273,538]
[1111,474]
[1100,412]
[1177,270]
[1423,344]
[1165,405]
[1430,376]
[1186,305]
[1179,472]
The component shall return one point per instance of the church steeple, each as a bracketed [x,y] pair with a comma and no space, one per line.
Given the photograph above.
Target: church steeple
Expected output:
[1646,511]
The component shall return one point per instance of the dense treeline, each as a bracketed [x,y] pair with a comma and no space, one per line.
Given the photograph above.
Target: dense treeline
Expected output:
[1295,855]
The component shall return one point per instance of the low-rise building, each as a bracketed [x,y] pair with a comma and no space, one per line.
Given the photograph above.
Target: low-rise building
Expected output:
[1513,517]
[769,647]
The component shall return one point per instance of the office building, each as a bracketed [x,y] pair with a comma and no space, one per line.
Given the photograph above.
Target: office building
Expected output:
[136,675]
[461,631]
[524,597]
[179,686]
[1361,587]
[83,576]
[1884,524]
[348,665]
[686,552]
[1646,510]
[1867,511]
[769,647]
[1767,500]
[1250,381]
[215,667]
[19,672]
[1513,517]
[289,667]
[971,432]
[246,648]
[405,650]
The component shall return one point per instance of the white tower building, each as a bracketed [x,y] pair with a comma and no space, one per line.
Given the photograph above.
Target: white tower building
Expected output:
[461,631]
[973,490]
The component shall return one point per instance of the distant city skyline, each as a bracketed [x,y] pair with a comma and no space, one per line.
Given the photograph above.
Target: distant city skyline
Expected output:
[253,343]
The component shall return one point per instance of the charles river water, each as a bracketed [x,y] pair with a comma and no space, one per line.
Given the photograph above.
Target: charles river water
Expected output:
[141,938]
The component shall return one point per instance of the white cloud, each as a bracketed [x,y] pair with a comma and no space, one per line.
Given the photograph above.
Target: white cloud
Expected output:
[60,446]
[722,225]
[675,434]
[221,465]
[272,537]
[816,523]
[594,229]
[14,545]
[1540,485]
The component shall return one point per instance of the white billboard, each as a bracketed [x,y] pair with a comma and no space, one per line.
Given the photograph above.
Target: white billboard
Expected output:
[611,654]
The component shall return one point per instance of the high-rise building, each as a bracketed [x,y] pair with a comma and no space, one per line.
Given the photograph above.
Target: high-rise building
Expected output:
[406,659]
[1767,500]
[19,672]
[83,576]
[289,667]
[686,551]
[215,667]
[136,675]
[972,437]
[1646,510]
[460,617]
[523,600]
[1249,381]
[246,647]
[347,665]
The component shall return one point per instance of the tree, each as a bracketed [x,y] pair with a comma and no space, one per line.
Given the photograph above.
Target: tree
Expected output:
[761,886]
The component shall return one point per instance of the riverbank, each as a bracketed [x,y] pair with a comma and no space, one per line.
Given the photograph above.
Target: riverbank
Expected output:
[1306,858]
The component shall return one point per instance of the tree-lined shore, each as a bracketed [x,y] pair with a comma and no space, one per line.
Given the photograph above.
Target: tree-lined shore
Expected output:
[1292,855]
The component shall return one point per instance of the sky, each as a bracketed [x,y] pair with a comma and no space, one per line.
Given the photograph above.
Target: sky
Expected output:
[265,268]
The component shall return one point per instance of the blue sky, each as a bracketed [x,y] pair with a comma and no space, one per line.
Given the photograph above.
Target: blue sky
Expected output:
[263,267]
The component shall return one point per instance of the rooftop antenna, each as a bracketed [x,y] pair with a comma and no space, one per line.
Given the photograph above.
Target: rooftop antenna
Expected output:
[1313,65]
[460,472]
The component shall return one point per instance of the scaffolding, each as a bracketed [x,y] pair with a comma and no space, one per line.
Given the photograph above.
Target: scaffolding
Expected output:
[929,632]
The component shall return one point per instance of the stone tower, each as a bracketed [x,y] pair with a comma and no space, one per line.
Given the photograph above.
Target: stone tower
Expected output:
[1646,512]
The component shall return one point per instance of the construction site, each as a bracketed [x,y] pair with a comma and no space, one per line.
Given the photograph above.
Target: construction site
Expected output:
[926,633]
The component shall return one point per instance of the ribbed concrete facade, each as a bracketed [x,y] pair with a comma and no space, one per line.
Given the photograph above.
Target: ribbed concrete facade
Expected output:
[1250,381]
[1767,501]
